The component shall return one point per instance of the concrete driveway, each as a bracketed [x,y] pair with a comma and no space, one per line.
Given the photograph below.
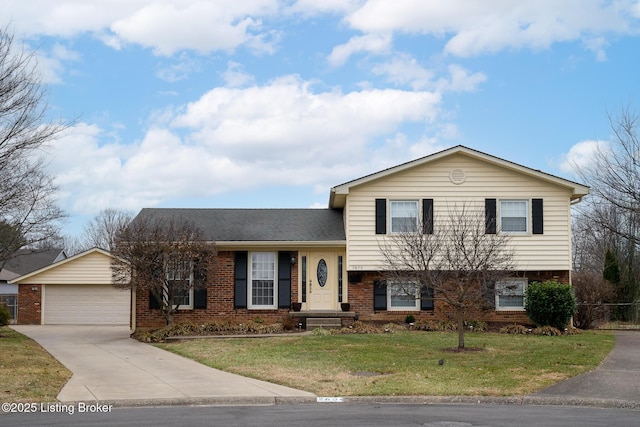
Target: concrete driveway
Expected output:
[109,366]
[616,379]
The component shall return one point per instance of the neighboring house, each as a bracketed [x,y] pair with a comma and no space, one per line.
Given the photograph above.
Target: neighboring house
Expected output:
[23,262]
[75,290]
[268,259]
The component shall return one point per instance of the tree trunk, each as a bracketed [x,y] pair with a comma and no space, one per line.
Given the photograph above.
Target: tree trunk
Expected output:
[168,315]
[460,313]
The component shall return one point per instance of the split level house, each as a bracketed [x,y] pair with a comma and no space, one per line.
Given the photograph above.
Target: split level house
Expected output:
[272,260]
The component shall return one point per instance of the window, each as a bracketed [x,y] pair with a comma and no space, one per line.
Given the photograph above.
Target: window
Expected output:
[510,294]
[514,216]
[180,278]
[404,216]
[403,296]
[262,287]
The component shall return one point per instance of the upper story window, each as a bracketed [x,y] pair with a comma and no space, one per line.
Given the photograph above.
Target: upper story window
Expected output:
[403,215]
[514,216]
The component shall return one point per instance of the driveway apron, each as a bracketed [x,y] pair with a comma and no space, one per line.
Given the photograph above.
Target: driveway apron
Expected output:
[107,365]
[617,378]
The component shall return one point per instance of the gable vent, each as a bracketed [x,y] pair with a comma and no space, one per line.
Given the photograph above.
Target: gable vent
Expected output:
[457,176]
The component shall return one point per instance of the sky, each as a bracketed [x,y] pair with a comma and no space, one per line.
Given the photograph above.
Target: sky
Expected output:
[270,103]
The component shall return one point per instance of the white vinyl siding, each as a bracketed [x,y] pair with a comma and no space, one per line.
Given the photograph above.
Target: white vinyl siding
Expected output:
[92,268]
[548,251]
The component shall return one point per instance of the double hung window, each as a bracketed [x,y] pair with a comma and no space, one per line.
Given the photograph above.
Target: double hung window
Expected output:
[404,216]
[262,279]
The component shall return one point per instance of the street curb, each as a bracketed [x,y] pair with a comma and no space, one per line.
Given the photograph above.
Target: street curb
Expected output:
[375,400]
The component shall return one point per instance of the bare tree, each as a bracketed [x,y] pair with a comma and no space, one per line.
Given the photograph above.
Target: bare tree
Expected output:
[103,229]
[27,201]
[168,258]
[612,218]
[455,259]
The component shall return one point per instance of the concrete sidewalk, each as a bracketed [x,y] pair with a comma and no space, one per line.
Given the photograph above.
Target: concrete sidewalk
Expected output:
[108,366]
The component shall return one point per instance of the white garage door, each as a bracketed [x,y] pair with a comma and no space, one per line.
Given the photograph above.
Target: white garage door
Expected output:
[85,305]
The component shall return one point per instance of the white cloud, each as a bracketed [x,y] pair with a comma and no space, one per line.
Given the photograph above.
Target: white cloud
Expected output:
[165,27]
[234,76]
[403,69]
[580,155]
[475,28]
[233,139]
[370,43]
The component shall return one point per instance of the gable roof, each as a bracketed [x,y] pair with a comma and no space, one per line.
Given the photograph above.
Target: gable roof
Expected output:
[337,197]
[259,225]
[60,263]
[26,261]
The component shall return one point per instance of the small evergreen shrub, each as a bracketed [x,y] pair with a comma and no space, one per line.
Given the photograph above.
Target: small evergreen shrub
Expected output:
[409,319]
[550,303]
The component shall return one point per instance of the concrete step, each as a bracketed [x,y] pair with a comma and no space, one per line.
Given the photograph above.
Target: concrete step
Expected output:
[323,322]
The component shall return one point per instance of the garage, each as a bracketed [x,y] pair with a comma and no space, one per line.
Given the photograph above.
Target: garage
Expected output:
[74,291]
[85,304]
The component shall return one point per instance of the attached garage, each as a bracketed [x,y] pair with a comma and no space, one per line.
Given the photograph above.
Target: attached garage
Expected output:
[75,291]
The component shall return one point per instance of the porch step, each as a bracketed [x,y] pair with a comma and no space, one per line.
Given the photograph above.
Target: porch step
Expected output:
[323,322]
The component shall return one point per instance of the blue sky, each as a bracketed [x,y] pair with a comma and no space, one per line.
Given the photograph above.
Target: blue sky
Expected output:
[269,103]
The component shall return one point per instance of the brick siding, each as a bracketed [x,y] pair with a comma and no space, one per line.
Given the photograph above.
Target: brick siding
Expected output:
[29,304]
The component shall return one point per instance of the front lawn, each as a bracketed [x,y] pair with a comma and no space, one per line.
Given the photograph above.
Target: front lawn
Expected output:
[27,372]
[405,363]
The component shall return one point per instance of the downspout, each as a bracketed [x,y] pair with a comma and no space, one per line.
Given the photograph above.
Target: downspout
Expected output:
[132,325]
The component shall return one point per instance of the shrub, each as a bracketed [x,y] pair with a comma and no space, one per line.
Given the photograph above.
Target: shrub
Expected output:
[476,325]
[409,319]
[515,330]
[5,316]
[591,291]
[549,331]
[550,304]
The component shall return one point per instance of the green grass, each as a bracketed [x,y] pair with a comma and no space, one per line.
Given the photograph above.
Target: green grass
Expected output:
[27,372]
[405,363]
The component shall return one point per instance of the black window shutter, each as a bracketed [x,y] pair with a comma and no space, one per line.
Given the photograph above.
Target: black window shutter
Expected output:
[381,216]
[200,284]
[153,302]
[200,298]
[537,216]
[379,295]
[284,280]
[490,216]
[240,280]
[426,298]
[427,216]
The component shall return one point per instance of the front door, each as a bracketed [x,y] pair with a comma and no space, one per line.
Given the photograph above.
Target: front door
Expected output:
[322,281]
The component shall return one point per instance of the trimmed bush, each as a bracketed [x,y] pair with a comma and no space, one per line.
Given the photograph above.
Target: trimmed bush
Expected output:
[550,304]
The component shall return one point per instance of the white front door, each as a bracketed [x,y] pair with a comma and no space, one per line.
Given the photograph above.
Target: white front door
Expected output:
[322,276]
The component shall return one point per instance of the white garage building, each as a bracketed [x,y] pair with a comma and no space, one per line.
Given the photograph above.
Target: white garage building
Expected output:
[75,291]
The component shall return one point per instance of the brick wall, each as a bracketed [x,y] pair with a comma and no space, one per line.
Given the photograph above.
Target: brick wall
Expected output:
[29,304]
[361,299]
[220,300]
